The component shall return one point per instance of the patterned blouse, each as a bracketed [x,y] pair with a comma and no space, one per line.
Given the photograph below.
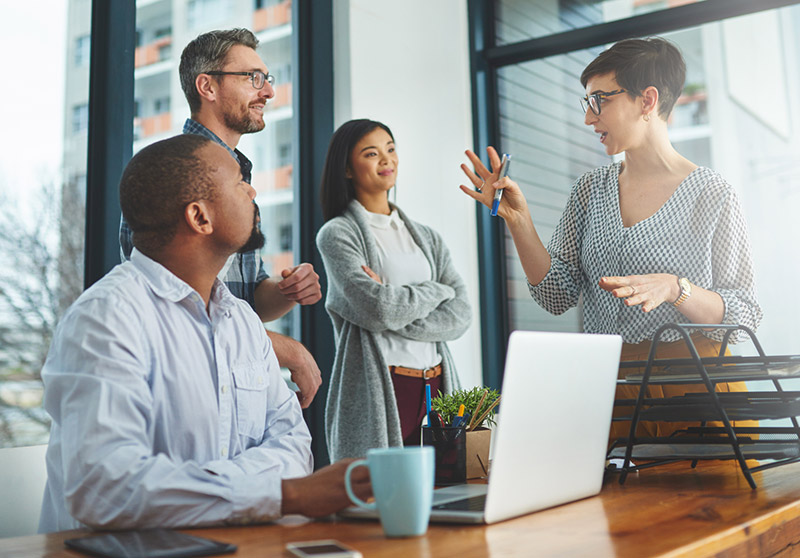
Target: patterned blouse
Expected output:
[699,233]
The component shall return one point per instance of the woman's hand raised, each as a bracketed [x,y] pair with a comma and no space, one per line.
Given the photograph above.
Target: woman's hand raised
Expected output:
[513,205]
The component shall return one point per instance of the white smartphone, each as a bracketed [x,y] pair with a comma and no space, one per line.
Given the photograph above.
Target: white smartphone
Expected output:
[321,549]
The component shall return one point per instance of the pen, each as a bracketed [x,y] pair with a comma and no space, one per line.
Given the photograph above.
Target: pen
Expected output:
[428,398]
[428,405]
[459,418]
[498,195]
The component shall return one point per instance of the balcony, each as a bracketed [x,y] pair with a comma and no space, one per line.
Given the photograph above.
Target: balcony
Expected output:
[273,16]
[282,98]
[275,183]
[158,50]
[277,262]
[151,125]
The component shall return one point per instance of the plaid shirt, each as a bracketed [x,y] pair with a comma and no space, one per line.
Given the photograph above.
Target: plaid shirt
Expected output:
[247,270]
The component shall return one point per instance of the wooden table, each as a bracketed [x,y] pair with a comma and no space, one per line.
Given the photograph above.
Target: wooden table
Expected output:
[665,511]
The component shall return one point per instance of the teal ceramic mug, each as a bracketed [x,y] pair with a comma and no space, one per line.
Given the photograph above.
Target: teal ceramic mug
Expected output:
[402,482]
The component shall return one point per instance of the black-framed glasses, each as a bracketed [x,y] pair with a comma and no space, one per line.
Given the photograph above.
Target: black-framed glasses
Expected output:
[257,77]
[595,100]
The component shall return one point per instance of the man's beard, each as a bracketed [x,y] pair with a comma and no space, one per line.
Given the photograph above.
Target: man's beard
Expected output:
[256,240]
[243,122]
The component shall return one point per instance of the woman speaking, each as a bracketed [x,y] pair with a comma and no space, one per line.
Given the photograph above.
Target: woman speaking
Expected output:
[650,240]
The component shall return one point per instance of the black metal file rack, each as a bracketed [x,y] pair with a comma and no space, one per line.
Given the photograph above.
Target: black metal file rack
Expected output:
[777,444]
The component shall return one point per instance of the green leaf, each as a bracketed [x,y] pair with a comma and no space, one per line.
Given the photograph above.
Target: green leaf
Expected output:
[447,404]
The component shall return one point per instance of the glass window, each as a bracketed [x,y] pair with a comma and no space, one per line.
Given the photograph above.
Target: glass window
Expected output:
[42,203]
[735,115]
[520,20]
[82,50]
[80,118]
[163,107]
[207,13]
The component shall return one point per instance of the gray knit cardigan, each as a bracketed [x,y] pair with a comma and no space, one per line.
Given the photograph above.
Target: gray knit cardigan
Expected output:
[361,410]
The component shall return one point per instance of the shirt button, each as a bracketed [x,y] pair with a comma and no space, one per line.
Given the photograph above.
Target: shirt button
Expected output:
[223,452]
[224,389]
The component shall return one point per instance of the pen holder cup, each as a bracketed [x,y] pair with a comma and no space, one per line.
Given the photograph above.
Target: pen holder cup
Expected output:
[450,448]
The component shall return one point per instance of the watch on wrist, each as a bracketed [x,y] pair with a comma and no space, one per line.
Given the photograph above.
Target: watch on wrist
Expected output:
[686,291]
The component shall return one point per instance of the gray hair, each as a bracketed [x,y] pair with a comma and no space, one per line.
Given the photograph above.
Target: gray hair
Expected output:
[207,53]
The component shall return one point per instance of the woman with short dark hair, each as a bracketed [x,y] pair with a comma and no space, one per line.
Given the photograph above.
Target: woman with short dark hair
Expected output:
[649,240]
[394,297]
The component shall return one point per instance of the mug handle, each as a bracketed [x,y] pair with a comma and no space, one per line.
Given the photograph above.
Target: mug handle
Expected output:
[353,498]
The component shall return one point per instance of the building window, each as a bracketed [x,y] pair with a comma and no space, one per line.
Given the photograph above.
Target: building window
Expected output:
[207,13]
[161,105]
[82,50]
[80,118]
[42,224]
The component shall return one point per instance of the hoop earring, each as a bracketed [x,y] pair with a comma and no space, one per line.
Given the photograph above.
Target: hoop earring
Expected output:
[646,118]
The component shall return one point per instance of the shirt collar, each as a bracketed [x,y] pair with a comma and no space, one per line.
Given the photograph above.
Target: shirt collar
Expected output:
[194,127]
[168,286]
[380,221]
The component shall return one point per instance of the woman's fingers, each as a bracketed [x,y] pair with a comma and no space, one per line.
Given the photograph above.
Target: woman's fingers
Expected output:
[480,168]
[648,291]
[476,195]
[494,159]
[474,178]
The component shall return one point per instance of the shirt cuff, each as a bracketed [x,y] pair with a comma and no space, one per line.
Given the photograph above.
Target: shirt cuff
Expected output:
[255,498]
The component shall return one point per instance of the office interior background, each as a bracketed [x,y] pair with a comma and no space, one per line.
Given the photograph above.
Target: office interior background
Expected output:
[81,98]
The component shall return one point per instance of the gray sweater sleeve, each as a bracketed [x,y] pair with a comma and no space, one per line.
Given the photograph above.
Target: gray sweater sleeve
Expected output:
[357,298]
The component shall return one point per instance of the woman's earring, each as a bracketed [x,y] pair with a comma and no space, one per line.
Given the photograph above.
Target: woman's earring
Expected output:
[646,118]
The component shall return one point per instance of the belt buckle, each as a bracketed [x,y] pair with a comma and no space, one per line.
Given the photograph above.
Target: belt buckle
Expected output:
[425,373]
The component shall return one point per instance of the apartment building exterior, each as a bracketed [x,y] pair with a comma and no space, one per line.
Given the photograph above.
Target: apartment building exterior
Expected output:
[163,28]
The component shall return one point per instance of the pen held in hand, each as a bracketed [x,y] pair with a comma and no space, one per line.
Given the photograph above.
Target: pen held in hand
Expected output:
[498,195]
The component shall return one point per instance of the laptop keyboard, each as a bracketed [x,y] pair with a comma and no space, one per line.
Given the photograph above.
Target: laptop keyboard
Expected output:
[474,503]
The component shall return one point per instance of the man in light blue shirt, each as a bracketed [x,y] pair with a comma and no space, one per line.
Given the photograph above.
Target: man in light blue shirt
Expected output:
[166,396]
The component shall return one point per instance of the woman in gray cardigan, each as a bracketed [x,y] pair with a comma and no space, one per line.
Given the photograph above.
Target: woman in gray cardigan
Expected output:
[394,297]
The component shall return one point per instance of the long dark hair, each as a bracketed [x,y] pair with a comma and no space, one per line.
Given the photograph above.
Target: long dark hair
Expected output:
[336,190]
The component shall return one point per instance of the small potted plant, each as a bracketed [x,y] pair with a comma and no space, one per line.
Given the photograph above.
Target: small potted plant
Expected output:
[480,403]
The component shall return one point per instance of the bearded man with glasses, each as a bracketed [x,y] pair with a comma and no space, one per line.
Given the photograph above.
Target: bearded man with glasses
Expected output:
[228,86]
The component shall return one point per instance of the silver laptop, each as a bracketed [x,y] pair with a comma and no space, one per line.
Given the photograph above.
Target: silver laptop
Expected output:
[550,441]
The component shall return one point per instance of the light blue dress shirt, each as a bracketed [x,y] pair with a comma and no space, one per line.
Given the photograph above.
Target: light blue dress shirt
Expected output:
[165,414]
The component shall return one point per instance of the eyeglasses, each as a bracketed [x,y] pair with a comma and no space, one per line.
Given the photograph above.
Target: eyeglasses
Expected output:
[257,77]
[595,100]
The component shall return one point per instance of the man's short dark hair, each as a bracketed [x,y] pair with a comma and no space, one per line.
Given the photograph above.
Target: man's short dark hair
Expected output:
[639,63]
[157,185]
[207,53]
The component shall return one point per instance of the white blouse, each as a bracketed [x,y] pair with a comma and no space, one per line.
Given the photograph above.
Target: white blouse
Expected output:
[401,262]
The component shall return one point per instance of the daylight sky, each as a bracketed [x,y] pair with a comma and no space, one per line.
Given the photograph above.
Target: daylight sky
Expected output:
[32,40]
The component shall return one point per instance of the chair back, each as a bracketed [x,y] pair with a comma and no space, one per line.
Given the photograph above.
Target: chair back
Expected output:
[23,474]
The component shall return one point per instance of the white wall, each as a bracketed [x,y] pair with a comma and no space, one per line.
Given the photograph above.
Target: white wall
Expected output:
[406,64]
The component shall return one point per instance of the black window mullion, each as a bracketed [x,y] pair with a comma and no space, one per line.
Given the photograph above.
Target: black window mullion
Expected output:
[491,247]
[110,144]
[313,102]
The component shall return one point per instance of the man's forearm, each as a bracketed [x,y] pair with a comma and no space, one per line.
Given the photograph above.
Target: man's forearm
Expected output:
[270,302]
[294,356]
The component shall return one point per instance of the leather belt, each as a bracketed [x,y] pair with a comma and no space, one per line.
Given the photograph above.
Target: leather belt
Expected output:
[425,374]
